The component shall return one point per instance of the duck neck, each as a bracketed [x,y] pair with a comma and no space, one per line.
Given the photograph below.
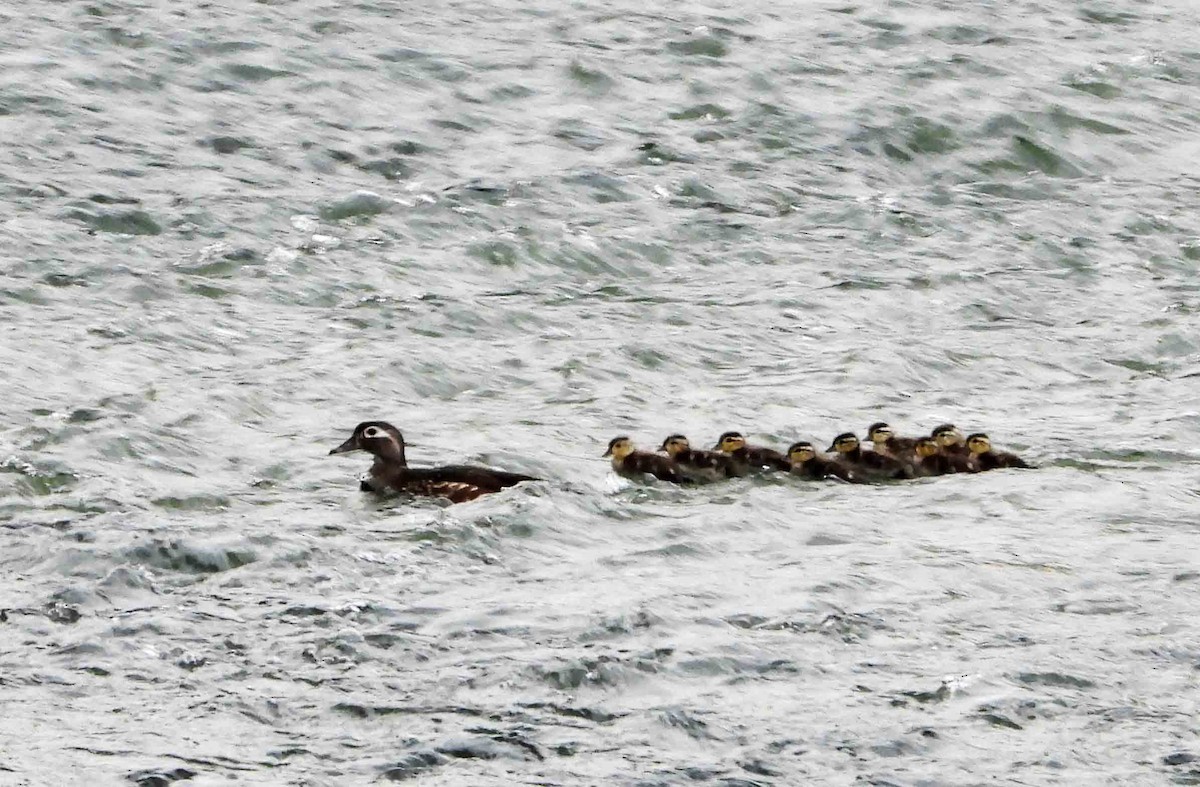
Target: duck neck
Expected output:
[392,453]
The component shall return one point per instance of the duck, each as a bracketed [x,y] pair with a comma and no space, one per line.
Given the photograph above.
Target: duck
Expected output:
[932,459]
[871,464]
[629,462]
[705,466]
[950,439]
[885,441]
[807,463]
[985,458]
[390,471]
[754,457]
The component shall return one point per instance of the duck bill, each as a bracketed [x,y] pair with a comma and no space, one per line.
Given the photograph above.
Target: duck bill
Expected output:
[607,453]
[346,447]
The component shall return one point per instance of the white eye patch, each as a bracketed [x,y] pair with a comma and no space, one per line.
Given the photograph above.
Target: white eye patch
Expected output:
[372,431]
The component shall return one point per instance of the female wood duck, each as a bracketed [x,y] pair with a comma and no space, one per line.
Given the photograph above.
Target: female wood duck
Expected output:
[932,459]
[987,459]
[629,462]
[950,439]
[754,457]
[807,463]
[885,442]
[704,466]
[871,464]
[390,471]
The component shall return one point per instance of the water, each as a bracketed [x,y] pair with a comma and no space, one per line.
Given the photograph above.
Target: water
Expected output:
[231,232]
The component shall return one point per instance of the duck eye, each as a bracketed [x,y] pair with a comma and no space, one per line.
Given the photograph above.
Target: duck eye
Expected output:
[371,431]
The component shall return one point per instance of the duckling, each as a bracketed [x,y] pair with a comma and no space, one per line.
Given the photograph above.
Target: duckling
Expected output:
[705,466]
[950,439]
[756,458]
[390,470]
[932,459]
[871,464]
[987,459]
[807,463]
[885,441]
[632,463]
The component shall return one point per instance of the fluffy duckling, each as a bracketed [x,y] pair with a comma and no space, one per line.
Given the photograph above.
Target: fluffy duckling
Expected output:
[807,463]
[629,462]
[756,458]
[706,466]
[950,439]
[932,459]
[871,464]
[986,459]
[886,442]
[390,471]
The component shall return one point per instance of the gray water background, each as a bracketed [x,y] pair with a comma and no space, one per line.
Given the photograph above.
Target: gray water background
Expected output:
[230,231]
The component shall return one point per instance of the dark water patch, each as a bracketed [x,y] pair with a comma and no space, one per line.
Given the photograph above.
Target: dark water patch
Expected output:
[1054,679]
[251,73]
[688,722]
[393,168]
[593,79]
[700,112]
[360,711]
[699,45]
[190,558]
[489,744]
[227,145]
[582,135]
[657,154]
[1068,122]
[161,778]
[999,720]
[33,480]
[964,34]
[218,260]
[64,280]
[602,670]
[1098,88]
[594,715]
[131,222]
[360,204]
[1105,16]
[414,765]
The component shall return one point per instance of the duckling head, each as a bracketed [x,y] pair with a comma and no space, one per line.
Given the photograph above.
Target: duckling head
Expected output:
[801,452]
[730,442]
[844,443]
[879,433]
[948,435]
[619,447]
[675,444]
[979,443]
[927,446]
[375,437]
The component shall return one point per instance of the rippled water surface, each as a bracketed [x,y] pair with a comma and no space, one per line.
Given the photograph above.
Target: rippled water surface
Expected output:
[231,231]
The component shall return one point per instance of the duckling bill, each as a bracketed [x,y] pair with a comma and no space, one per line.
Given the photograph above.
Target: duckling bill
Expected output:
[629,462]
[390,471]
[704,466]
